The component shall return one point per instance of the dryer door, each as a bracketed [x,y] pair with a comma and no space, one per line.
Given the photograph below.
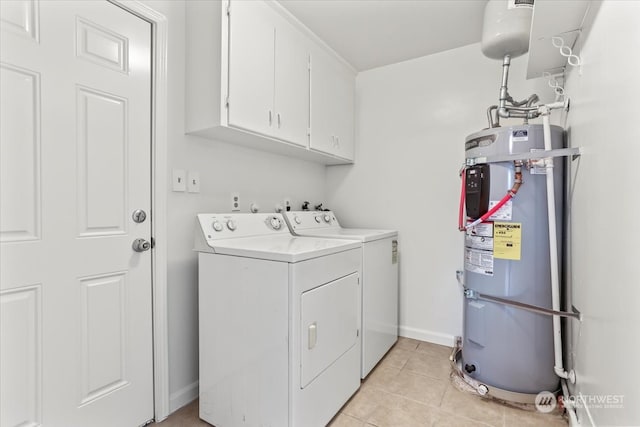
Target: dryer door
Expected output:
[329,316]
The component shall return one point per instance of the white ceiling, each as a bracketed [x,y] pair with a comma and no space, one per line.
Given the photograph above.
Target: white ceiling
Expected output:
[373,33]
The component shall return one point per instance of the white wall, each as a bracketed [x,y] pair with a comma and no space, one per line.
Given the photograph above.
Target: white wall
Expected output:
[605,205]
[411,120]
[224,168]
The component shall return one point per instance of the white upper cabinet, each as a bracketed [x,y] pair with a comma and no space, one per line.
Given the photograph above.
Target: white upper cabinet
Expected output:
[268,74]
[332,106]
[248,82]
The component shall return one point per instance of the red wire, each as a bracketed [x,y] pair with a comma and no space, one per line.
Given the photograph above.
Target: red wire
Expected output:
[491,211]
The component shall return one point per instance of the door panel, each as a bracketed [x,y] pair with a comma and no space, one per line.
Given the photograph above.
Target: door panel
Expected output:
[20,155]
[21,385]
[76,151]
[102,159]
[103,337]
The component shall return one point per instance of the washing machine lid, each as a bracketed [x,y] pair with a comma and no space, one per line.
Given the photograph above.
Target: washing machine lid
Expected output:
[360,234]
[284,248]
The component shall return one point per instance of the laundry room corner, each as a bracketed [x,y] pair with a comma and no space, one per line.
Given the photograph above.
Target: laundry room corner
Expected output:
[411,121]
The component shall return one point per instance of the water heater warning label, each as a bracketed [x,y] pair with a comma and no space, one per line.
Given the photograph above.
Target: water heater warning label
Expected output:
[478,261]
[507,240]
[480,237]
[478,252]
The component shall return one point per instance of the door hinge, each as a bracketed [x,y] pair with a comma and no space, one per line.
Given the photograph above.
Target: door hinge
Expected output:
[308,131]
[228,8]
[357,332]
[226,102]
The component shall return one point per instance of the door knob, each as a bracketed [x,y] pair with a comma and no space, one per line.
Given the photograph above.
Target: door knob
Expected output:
[141,245]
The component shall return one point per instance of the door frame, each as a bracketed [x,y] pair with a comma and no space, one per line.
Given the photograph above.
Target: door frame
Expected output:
[159,262]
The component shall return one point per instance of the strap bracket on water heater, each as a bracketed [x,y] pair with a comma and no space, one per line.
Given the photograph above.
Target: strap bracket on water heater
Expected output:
[575,152]
[471,294]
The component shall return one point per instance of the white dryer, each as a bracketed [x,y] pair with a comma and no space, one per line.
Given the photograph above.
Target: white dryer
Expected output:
[379,299]
[278,322]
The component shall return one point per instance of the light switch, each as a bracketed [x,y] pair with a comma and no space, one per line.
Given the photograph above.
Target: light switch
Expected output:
[193,182]
[179,180]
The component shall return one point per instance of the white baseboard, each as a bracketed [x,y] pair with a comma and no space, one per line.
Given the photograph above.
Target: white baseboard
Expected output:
[428,336]
[182,397]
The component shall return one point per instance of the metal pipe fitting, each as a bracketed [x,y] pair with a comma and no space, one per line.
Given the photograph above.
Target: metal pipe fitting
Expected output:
[492,124]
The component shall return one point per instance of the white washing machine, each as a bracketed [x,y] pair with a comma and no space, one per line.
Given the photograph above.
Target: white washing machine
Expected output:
[278,322]
[379,299]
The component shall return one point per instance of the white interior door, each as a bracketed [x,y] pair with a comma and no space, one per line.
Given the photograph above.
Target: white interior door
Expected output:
[75,299]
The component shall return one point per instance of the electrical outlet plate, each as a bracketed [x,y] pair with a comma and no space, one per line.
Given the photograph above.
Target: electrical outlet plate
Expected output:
[179,180]
[287,204]
[193,181]
[235,202]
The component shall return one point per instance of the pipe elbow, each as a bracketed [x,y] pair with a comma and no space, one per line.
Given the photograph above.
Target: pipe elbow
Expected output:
[560,372]
[503,112]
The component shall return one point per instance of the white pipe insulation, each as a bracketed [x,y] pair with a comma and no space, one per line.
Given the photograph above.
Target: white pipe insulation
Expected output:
[568,405]
[545,111]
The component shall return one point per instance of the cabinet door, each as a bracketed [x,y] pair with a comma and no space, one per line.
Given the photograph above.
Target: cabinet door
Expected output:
[332,106]
[291,84]
[344,93]
[251,66]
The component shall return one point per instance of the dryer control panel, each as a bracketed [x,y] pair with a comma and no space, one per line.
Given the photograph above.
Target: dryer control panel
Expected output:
[305,220]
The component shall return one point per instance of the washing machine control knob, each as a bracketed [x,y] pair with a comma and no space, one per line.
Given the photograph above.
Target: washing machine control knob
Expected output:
[231,225]
[217,226]
[326,218]
[297,220]
[318,219]
[275,223]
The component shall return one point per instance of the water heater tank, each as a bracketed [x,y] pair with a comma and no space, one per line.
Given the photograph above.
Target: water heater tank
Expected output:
[506,28]
[505,347]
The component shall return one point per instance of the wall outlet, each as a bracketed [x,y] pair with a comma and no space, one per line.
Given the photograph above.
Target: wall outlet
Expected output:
[287,204]
[193,182]
[179,180]
[235,202]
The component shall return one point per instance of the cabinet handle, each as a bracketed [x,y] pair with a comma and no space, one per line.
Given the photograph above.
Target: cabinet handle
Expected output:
[278,120]
[270,117]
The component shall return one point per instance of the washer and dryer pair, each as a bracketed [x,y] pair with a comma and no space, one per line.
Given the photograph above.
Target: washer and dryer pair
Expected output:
[280,318]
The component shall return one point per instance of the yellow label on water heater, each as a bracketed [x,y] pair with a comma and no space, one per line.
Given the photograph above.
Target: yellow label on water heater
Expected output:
[507,240]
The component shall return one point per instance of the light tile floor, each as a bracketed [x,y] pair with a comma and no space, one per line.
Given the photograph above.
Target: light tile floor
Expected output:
[411,387]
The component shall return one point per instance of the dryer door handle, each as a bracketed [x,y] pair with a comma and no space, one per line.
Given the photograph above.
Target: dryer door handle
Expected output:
[313,335]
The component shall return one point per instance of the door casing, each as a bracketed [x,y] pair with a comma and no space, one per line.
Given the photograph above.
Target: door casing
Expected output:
[159,261]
